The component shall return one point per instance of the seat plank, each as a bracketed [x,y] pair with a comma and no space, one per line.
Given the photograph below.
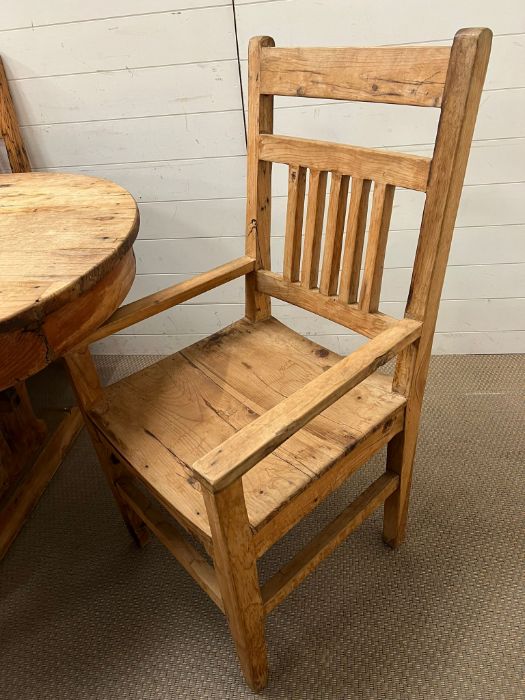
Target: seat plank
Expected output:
[163,418]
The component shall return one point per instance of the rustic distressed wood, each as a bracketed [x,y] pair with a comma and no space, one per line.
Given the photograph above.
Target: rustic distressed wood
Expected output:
[10,130]
[259,181]
[187,556]
[21,433]
[313,228]
[16,507]
[334,234]
[98,222]
[466,74]
[165,299]
[304,562]
[387,167]
[65,264]
[236,566]
[382,203]
[295,510]
[230,460]
[71,282]
[354,241]
[208,384]
[413,75]
[242,434]
[294,222]
[347,315]
[88,390]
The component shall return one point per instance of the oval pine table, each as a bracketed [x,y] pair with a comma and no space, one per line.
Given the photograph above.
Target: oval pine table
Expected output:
[66,264]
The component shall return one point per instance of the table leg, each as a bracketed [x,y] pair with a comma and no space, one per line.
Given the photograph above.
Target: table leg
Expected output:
[22,482]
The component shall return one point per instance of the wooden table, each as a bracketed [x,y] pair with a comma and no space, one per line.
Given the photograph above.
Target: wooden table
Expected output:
[66,264]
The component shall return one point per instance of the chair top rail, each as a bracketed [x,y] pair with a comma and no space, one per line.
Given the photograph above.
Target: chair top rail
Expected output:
[387,167]
[409,75]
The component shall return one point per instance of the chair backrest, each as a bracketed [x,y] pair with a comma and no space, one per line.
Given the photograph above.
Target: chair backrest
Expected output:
[10,130]
[449,78]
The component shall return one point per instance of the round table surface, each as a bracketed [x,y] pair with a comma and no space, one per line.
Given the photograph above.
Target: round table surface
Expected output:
[60,234]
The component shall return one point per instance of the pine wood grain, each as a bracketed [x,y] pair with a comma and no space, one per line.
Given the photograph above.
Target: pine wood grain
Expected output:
[208,385]
[347,315]
[323,544]
[92,210]
[259,181]
[294,223]
[313,228]
[382,203]
[354,241]
[236,455]
[154,303]
[466,74]
[387,167]
[365,74]
[334,234]
[236,566]
[242,434]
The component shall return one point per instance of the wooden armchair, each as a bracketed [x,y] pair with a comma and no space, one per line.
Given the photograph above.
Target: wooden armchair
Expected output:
[242,434]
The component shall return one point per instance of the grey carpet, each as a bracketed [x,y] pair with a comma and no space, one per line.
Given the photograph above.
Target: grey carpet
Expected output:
[84,614]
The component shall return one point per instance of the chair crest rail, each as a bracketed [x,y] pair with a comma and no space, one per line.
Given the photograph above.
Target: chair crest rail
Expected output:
[362,74]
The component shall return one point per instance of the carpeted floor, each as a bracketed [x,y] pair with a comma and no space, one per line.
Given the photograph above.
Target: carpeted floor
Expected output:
[84,614]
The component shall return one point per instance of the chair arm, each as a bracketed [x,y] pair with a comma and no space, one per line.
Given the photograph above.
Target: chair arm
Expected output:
[235,456]
[153,304]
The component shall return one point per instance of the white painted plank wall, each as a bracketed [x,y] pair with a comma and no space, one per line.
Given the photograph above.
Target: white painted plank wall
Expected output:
[147,94]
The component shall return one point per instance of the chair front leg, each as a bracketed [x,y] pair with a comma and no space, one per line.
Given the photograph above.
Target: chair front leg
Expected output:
[236,568]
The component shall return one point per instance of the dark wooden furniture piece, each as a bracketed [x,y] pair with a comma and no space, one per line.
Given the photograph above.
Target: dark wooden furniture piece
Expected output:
[239,436]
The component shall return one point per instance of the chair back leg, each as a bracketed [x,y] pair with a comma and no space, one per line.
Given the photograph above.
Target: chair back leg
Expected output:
[236,568]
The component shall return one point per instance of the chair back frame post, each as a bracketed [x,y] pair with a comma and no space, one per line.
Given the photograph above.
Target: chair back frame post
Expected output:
[10,129]
[259,182]
[466,74]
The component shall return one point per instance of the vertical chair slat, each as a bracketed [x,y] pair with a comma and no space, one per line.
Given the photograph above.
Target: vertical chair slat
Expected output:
[313,228]
[334,233]
[354,241]
[375,252]
[294,222]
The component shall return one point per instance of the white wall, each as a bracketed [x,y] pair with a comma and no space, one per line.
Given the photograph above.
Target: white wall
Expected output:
[147,93]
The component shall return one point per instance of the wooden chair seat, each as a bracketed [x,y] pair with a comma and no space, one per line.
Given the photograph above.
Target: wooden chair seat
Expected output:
[165,417]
